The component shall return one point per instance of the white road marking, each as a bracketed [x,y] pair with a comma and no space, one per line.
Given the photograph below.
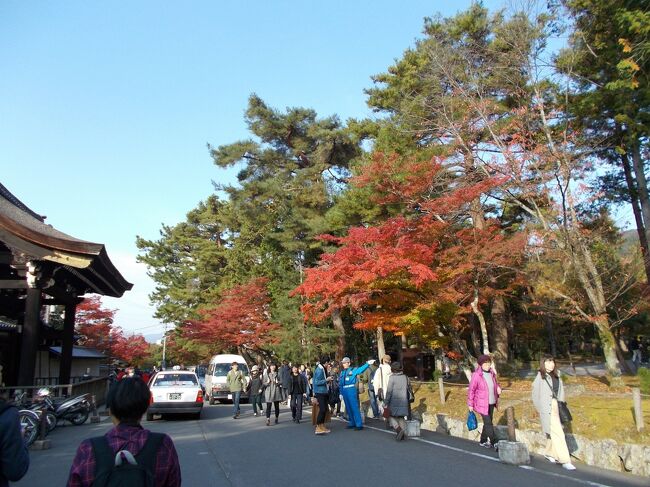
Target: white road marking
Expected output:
[493,459]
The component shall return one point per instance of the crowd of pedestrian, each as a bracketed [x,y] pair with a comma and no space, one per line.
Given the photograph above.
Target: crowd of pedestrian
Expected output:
[383,387]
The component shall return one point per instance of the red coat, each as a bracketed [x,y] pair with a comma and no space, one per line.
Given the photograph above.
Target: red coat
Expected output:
[478,395]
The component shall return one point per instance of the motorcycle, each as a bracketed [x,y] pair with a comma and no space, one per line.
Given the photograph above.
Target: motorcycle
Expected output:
[76,410]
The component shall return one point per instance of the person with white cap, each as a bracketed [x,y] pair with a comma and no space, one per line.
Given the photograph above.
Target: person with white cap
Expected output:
[255,390]
[348,388]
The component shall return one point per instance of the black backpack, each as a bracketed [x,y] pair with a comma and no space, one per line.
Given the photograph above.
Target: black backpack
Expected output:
[122,469]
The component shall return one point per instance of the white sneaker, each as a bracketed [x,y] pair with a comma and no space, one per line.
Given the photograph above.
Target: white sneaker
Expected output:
[550,458]
[568,466]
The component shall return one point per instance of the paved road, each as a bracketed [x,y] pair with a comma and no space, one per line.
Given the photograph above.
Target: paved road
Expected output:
[220,451]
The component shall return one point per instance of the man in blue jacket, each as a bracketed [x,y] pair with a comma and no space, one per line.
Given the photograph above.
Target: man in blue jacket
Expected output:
[14,459]
[348,388]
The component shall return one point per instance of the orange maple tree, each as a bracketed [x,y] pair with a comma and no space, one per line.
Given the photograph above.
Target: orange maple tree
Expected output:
[240,319]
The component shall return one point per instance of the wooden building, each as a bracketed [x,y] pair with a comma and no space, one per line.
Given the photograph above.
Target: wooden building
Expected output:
[41,266]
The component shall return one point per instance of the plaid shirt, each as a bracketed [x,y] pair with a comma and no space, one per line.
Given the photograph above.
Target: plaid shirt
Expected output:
[167,472]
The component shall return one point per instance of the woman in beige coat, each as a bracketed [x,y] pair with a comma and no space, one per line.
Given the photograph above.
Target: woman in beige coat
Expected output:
[547,391]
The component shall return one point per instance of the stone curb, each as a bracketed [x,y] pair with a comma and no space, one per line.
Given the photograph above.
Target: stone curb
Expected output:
[608,454]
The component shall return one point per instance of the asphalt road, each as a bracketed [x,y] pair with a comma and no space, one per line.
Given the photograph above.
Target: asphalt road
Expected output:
[220,451]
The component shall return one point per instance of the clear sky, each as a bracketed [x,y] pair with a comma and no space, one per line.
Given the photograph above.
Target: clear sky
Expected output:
[106,107]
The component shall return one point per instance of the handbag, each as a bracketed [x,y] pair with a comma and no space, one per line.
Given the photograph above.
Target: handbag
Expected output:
[562,408]
[411,394]
[472,422]
[565,414]
[386,412]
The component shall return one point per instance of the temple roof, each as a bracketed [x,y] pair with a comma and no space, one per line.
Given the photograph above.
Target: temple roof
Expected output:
[86,263]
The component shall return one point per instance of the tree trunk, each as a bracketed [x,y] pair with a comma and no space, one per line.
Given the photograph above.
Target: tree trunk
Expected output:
[381,347]
[548,322]
[338,326]
[481,322]
[642,186]
[608,343]
[636,209]
[500,336]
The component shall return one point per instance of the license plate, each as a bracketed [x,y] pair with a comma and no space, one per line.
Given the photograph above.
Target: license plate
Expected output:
[229,396]
[175,396]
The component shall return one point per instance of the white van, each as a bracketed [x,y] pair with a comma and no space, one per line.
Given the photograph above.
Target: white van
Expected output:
[215,378]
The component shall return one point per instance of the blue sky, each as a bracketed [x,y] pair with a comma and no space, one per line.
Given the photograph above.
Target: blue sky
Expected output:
[106,107]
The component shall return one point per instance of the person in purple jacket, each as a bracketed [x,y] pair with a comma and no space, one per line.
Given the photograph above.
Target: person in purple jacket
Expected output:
[483,396]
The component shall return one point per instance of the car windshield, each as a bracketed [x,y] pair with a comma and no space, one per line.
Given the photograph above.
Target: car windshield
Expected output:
[221,370]
[201,370]
[168,380]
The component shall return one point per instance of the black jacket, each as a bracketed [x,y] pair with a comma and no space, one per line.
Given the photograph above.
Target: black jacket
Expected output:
[297,384]
[14,458]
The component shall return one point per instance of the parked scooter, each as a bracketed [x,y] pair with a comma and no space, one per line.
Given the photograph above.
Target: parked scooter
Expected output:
[76,410]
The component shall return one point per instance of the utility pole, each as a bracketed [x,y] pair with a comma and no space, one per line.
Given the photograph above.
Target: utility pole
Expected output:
[163,364]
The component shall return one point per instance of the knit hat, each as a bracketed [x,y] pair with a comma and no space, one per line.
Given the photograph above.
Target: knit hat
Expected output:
[345,359]
[396,367]
[255,368]
[483,359]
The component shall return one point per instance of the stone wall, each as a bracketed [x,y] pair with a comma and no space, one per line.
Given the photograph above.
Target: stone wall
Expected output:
[600,453]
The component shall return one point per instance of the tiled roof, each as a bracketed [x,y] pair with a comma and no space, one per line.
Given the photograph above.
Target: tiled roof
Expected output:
[80,352]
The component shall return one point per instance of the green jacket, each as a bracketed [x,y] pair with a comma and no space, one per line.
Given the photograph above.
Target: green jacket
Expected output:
[236,381]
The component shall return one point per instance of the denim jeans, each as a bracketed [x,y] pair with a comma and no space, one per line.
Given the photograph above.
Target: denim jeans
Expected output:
[373,403]
[296,406]
[256,400]
[235,402]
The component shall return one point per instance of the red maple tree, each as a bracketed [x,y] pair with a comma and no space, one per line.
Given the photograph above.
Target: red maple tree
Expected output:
[132,350]
[94,325]
[240,319]
[401,274]
[95,328]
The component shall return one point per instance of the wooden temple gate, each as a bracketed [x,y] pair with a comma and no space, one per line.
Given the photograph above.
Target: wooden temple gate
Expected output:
[41,266]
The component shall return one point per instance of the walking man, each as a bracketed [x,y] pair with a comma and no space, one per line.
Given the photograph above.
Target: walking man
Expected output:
[298,392]
[236,383]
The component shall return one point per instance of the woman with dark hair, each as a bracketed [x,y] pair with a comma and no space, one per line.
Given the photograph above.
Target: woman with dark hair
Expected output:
[127,402]
[272,392]
[547,391]
[483,396]
[320,383]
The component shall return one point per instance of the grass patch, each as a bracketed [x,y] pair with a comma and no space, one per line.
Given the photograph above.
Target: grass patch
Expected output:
[595,414]
[644,380]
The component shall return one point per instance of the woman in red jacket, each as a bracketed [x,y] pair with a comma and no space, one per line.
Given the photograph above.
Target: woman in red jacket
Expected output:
[482,397]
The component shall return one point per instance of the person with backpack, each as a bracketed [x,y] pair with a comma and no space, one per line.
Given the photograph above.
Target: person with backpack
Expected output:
[236,383]
[14,458]
[381,380]
[145,459]
[367,378]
